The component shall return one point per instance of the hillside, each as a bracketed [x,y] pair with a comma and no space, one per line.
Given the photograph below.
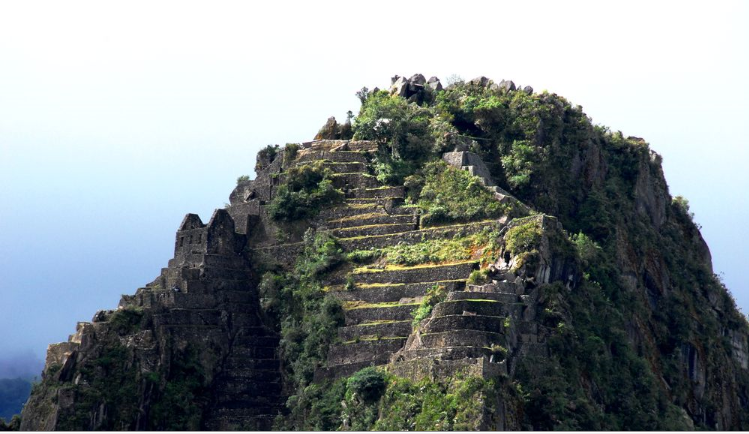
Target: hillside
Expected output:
[471,256]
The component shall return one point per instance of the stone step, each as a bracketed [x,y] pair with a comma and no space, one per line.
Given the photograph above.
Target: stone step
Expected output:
[445,353]
[377,351]
[417,236]
[382,329]
[265,376]
[345,167]
[498,287]
[363,145]
[376,193]
[231,406]
[194,317]
[229,296]
[338,371]
[370,230]
[477,307]
[244,318]
[374,313]
[448,323]
[419,273]
[387,202]
[234,388]
[334,156]
[350,181]
[211,273]
[381,293]
[254,352]
[256,341]
[240,308]
[462,338]
[495,296]
[348,210]
[534,350]
[373,218]
[235,422]
[236,361]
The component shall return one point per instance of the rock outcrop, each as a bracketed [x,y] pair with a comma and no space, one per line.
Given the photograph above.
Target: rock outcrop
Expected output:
[196,349]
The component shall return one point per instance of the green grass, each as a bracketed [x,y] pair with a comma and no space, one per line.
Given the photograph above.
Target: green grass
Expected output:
[353,305]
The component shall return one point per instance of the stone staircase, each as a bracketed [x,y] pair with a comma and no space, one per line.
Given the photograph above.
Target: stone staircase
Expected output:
[480,330]
[379,302]
[248,389]
[206,295]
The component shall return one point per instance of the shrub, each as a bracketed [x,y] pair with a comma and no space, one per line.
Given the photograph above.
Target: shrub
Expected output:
[243,178]
[478,277]
[266,156]
[401,127]
[309,318]
[368,384]
[126,321]
[290,151]
[304,190]
[453,195]
[435,294]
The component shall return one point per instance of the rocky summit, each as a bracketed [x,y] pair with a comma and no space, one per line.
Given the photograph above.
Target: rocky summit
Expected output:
[458,256]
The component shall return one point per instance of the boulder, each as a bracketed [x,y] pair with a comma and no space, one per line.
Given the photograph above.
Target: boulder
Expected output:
[528,90]
[480,81]
[399,87]
[507,85]
[417,79]
[434,83]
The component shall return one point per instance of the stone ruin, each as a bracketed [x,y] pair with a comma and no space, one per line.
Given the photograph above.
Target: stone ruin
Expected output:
[207,292]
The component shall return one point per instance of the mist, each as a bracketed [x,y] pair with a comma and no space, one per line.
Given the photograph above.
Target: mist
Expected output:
[24,364]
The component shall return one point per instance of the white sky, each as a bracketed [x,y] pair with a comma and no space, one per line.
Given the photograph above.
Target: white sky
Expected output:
[117,118]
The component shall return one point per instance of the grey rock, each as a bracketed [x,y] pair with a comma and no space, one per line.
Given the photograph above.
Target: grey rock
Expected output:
[434,83]
[528,90]
[507,85]
[399,87]
[417,79]
[480,81]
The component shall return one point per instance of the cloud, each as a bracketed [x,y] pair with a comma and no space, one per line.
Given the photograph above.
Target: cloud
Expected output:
[25,364]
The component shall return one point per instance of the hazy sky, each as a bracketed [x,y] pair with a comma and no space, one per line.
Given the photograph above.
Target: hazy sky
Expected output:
[118,118]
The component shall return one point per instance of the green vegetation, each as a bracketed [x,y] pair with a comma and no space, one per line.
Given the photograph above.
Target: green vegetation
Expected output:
[374,400]
[481,245]
[184,396]
[522,241]
[243,178]
[435,294]
[126,321]
[305,189]
[290,151]
[478,277]
[108,380]
[453,195]
[266,156]
[307,317]
[13,425]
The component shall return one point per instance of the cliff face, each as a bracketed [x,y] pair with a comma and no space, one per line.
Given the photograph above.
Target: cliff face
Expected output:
[479,241]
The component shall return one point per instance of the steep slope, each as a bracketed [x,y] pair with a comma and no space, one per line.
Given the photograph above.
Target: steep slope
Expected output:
[474,257]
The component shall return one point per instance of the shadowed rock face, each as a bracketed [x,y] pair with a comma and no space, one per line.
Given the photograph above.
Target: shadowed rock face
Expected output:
[198,329]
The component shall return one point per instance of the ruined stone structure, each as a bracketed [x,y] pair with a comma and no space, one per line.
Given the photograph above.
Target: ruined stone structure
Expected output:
[206,300]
